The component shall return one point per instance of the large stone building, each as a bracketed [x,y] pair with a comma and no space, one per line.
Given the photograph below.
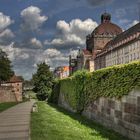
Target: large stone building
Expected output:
[122,49]
[105,32]
[108,45]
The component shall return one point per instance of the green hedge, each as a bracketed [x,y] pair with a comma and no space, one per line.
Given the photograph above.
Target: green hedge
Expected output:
[55,92]
[114,81]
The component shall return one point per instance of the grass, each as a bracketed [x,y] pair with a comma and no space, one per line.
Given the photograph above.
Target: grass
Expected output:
[4,106]
[54,123]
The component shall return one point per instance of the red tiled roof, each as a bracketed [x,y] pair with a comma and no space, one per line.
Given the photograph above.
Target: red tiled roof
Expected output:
[107,28]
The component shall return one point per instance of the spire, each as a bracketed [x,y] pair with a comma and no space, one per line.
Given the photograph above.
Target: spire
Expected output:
[106,17]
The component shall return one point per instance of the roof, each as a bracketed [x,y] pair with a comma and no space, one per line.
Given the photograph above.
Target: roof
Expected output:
[107,28]
[120,38]
[125,34]
[15,79]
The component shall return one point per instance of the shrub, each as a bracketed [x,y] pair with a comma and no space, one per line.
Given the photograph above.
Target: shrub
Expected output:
[55,92]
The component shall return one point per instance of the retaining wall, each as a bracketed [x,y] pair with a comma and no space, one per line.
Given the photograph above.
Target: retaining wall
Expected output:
[121,115]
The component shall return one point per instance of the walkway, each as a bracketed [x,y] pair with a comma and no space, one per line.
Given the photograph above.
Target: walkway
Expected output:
[15,122]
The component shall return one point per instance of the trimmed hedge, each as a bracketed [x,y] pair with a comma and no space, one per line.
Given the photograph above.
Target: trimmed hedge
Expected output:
[114,81]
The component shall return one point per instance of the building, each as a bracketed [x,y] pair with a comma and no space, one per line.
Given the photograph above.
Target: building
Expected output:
[102,34]
[122,49]
[95,43]
[11,91]
[61,72]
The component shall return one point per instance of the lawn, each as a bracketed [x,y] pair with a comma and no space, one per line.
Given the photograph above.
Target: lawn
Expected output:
[54,123]
[4,106]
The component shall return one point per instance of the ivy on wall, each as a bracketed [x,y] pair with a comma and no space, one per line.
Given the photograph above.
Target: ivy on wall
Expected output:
[114,81]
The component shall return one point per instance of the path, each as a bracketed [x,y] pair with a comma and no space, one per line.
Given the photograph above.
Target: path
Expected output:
[15,122]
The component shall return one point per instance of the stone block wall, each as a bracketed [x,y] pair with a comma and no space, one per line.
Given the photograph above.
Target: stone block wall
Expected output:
[64,104]
[121,115]
[7,94]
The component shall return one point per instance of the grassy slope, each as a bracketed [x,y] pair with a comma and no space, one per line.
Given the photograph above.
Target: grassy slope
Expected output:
[53,123]
[4,106]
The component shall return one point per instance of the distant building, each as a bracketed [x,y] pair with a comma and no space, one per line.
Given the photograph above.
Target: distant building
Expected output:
[84,60]
[61,72]
[122,49]
[15,87]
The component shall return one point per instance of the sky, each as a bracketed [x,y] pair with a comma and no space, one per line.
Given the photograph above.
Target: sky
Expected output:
[34,31]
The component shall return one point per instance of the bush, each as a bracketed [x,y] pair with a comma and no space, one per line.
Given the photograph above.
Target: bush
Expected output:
[85,87]
[55,92]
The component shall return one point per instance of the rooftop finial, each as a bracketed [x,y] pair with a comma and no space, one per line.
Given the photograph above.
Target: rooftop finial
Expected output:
[106,17]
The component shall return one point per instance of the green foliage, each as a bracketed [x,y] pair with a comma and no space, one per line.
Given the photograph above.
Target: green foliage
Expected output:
[55,92]
[43,81]
[114,81]
[5,67]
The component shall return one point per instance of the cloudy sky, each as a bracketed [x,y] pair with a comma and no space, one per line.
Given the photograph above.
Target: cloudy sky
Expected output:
[32,31]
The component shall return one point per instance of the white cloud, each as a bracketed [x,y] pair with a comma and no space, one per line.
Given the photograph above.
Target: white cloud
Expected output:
[15,53]
[6,37]
[36,43]
[32,18]
[5,21]
[25,59]
[7,33]
[133,23]
[52,57]
[73,33]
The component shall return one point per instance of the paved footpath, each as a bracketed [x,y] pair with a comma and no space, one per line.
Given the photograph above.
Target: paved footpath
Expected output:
[15,122]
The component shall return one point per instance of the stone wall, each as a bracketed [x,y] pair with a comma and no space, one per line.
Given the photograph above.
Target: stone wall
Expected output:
[16,89]
[121,115]
[63,103]
[7,94]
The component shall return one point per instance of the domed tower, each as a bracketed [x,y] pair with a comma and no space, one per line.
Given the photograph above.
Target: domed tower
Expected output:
[102,34]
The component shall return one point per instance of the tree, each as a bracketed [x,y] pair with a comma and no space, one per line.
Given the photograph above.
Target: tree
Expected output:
[43,81]
[5,67]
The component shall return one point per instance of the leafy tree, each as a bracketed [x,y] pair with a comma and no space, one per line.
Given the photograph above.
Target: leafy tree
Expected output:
[5,67]
[43,81]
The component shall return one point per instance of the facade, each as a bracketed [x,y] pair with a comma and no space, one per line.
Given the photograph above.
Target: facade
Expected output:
[122,49]
[16,85]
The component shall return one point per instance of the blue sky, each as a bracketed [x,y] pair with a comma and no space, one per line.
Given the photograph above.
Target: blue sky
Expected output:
[32,31]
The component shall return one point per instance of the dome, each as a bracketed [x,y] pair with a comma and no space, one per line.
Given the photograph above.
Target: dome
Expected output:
[106,27]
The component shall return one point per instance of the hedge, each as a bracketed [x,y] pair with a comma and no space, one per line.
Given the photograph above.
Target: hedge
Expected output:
[111,82]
